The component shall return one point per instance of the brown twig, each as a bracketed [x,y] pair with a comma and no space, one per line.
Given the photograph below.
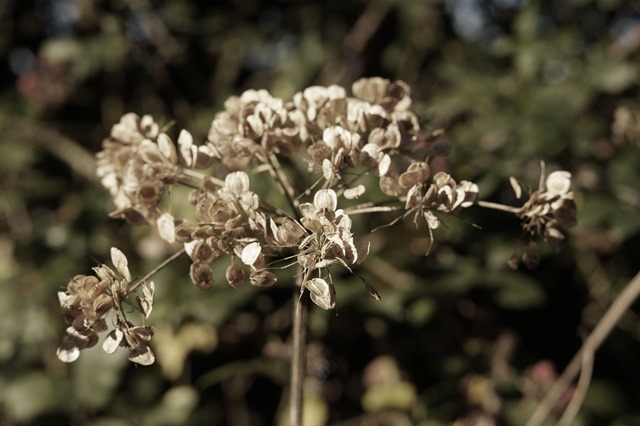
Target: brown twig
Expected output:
[62,147]
[589,347]
[496,206]
[356,40]
[580,392]
[155,270]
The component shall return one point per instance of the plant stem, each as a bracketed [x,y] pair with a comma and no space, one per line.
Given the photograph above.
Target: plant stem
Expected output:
[155,270]
[298,351]
[496,206]
[588,349]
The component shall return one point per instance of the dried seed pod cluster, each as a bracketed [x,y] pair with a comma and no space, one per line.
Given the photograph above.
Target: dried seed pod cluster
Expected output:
[90,300]
[314,150]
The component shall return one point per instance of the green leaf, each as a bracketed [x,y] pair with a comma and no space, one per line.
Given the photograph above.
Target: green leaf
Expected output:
[517,291]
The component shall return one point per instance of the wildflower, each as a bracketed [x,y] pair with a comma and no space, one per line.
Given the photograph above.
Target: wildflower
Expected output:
[137,162]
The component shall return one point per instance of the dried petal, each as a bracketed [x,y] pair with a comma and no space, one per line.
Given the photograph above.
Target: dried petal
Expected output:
[250,253]
[432,220]
[142,355]
[325,199]
[558,183]
[237,182]
[517,189]
[119,260]
[145,303]
[321,293]
[327,170]
[68,350]
[113,341]
[167,148]
[166,227]
[384,165]
[188,151]
[143,332]
[353,193]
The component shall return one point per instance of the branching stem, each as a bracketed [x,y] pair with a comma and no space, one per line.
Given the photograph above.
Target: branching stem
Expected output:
[589,347]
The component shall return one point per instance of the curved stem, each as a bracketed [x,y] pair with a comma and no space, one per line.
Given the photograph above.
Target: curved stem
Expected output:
[589,347]
[580,392]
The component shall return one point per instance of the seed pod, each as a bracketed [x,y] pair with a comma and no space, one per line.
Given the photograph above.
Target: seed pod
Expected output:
[321,293]
[235,275]
[201,275]
[262,278]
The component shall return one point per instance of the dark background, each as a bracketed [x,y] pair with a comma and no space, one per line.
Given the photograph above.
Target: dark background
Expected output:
[458,336]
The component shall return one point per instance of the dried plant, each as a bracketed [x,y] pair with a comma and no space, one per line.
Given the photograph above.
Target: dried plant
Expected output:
[317,150]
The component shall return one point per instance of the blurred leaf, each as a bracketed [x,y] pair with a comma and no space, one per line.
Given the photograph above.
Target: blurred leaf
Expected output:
[421,311]
[31,395]
[604,398]
[174,408]
[516,291]
[400,395]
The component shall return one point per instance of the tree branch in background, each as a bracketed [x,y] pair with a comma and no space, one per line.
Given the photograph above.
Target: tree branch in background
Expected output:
[69,151]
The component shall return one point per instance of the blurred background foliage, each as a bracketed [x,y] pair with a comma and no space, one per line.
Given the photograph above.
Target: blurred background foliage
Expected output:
[457,336]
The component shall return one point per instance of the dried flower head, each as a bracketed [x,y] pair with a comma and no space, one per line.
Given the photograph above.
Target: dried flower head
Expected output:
[550,207]
[339,138]
[89,299]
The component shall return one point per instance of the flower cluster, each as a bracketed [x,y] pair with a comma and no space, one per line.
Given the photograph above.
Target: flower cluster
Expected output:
[547,209]
[230,223]
[328,241]
[319,146]
[550,207]
[138,161]
[89,300]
